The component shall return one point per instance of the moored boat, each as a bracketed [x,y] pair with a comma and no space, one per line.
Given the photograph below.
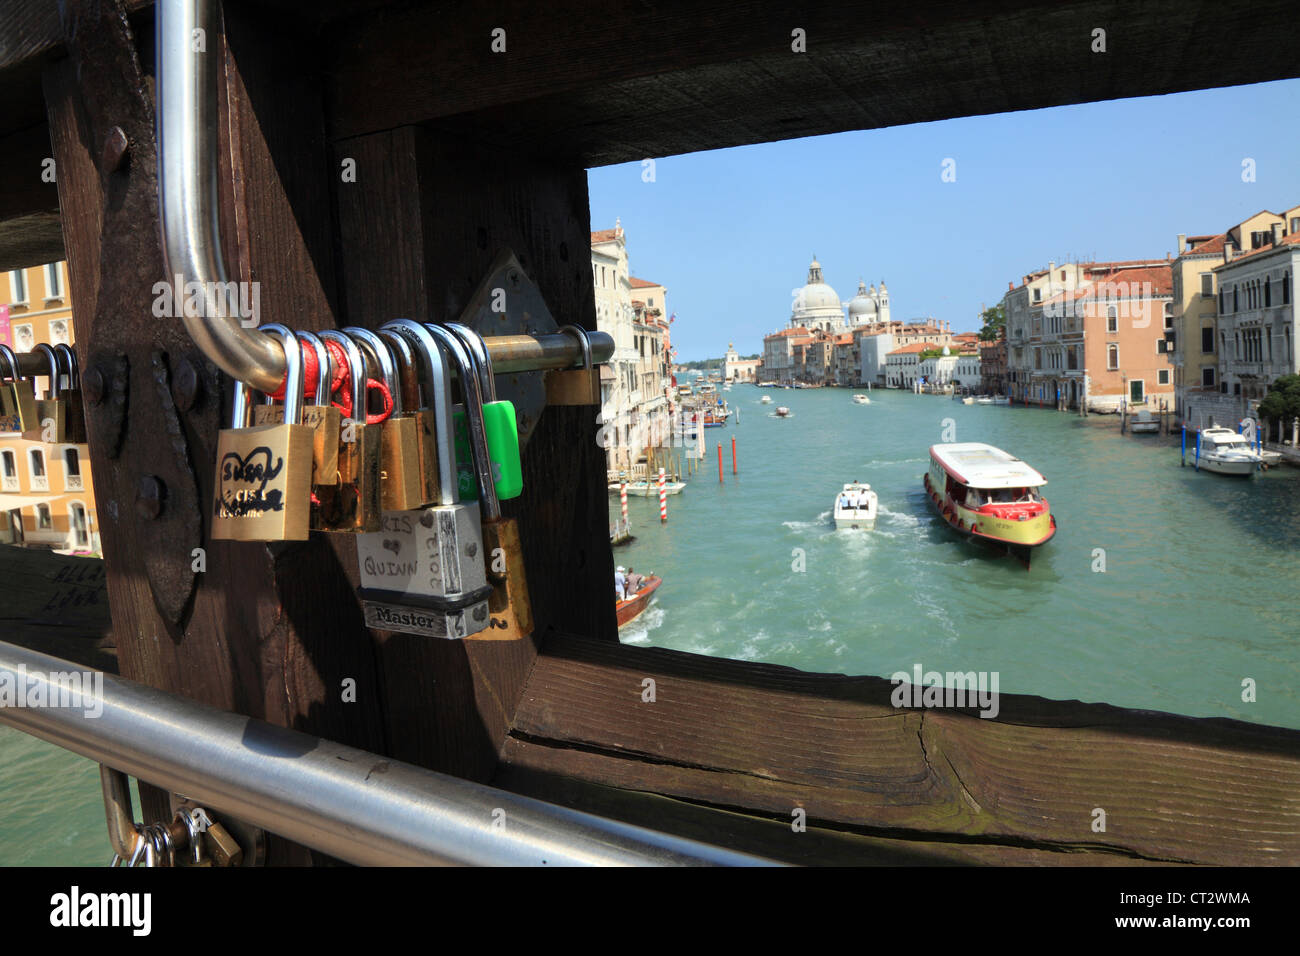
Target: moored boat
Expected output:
[1144,423]
[648,489]
[628,610]
[855,506]
[1228,453]
[983,492]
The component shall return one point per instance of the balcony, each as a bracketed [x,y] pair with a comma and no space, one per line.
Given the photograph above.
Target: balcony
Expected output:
[9,484]
[40,482]
[73,483]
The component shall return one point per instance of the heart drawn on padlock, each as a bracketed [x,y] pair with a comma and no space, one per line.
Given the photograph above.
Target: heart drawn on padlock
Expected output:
[393,545]
[242,482]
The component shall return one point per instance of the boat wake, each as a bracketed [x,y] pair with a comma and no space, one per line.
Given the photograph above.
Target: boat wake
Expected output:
[638,631]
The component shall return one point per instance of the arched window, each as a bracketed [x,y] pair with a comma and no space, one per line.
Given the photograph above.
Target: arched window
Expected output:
[43,522]
[80,529]
[1268,292]
[1234,298]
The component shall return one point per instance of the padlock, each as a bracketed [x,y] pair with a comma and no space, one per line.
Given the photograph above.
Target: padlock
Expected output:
[263,482]
[424,573]
[575,386]
[415,378]
[75,413]
[51,413]
[353,504]
[499,419]
[17,399]
[322,417]
[509,605]
[401,485]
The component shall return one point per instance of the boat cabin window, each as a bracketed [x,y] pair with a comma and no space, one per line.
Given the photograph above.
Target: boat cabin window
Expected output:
[1005,496]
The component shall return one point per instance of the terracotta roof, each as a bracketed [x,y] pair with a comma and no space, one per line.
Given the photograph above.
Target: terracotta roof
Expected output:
[604,235]
[800,330]
[1207,245]
[642,283]
[1284,241]
[914,347]
[844,338]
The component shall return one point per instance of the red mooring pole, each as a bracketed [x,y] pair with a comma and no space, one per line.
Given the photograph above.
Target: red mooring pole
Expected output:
[733,455]
[719,462]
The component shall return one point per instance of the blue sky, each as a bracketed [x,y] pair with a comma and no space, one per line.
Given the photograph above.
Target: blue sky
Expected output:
[730,232]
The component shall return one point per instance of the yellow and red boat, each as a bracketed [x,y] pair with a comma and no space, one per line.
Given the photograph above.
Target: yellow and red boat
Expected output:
[983,492]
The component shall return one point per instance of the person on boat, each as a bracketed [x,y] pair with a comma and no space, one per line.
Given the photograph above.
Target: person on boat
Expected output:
[620,585]
[633,581]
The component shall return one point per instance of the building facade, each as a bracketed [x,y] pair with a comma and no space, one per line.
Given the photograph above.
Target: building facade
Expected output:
[47,497]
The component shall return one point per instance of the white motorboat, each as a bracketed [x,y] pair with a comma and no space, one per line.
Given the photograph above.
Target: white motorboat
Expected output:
[1144,423]
[861,399]
[986,400]
[855,506]
[968,400]
[648,489]
[782,412]
[1001,400]
[766,400]
[1226,452]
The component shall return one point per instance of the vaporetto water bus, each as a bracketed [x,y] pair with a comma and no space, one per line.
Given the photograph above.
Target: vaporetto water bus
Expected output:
[990,495]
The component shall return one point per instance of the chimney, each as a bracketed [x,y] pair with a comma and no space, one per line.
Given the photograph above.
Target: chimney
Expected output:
[1182,243]
[1011,286]
[1277,233]
[1227,250]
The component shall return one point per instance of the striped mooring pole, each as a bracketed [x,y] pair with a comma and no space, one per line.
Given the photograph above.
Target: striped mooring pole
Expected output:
[663,498]
[622,499]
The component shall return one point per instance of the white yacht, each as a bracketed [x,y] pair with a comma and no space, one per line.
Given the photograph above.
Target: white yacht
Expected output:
[1227,452]
[855,506]
[766,400]
[861,399]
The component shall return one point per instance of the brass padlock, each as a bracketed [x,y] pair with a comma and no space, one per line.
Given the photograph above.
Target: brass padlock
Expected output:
[417,377]
[322,417]
[50,411]
[401,484]
[352,505]
[17,399]
[75,413]
[575,386]
[263,482]
[509,606]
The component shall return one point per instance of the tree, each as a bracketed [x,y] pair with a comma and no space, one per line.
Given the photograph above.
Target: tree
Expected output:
[995,321]
[1282,403]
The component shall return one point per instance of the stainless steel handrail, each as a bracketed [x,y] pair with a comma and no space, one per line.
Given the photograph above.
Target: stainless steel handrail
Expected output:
[353,805]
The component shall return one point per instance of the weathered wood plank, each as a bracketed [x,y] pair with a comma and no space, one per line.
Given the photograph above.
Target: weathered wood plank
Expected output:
[547,774]
[768,739]
[58,605]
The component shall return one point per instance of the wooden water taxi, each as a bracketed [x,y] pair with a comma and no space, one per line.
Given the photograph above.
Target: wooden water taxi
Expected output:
[990,495]
[629,609]
[855,506]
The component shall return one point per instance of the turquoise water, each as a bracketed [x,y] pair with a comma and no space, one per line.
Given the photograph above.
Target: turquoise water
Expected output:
[1198,591]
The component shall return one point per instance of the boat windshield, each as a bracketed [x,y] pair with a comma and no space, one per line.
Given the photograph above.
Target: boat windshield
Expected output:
[979,497]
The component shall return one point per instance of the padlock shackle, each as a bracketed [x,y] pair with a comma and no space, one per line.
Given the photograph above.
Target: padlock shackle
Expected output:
[477,349]
[322,366]
[405,356]
[69,357]
[383,356]
[356,372]
[469,381]
[293,377]
[584,341]
[239,408]
[437,385]
[270,328]
[53,373]
[11,360]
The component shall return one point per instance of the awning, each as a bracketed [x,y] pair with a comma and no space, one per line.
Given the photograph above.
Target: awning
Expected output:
[10,502]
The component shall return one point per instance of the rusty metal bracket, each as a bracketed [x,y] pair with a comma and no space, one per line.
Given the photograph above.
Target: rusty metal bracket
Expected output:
[507,302]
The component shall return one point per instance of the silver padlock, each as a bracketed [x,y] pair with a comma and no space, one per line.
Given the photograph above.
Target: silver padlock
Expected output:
[424,572]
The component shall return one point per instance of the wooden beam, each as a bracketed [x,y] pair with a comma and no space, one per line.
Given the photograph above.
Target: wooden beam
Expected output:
[765,740]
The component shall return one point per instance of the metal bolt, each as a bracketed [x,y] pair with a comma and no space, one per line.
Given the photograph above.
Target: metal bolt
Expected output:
[149,497]
[187,385]
[92,385]
[115,147]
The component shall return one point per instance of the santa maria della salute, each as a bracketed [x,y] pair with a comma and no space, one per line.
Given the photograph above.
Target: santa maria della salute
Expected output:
[817,307]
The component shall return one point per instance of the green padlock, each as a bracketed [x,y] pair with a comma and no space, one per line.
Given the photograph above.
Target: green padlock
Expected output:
[499,422]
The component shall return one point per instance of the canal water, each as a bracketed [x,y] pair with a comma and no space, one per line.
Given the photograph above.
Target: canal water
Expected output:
[1198,591]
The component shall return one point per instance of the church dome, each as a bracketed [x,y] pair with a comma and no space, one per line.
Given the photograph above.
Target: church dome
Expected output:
[816,302]
[862,303]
